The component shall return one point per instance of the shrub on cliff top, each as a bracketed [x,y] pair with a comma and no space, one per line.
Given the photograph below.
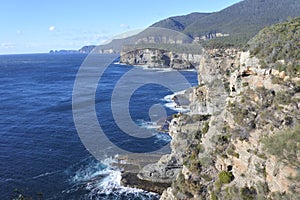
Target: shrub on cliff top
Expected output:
[279,42]
[285,145]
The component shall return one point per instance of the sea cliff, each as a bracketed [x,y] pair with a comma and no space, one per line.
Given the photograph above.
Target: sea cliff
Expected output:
[158,58]
[222,143]
[241,138]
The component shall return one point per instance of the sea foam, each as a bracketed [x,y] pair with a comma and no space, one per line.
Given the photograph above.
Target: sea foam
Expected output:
[105,183]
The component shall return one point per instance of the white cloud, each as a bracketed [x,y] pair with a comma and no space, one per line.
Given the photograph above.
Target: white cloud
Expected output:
[126,26]
[51,28]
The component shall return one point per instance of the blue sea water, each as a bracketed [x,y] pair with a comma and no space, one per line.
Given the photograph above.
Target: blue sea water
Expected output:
[40,151]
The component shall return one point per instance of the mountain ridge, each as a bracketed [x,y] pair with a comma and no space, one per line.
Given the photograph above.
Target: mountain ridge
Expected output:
[238,22]
[245,14]
[182,21]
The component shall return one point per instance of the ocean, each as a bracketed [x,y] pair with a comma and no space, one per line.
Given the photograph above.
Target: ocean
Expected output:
[41,152]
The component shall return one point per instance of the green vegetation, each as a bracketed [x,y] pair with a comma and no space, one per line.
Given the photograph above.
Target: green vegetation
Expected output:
[234,192]
[245,18]
[262,109]
[213,196]
[206,177]
[243,116]
[285,145]
[235,40]
[278,46]
[283,97]
[206,161]
[250,15]
[241,21]
[194,118]
[225,177]
[248,193]
[227,87]
[198,117]
[277,80]
[185,188]
[179,23]
[284,196]
[205,127]
[176,48]
[297,86]
[198,135]
[231,151]
[245,84]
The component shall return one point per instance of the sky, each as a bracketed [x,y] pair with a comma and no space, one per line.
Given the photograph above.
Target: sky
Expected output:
[35,26]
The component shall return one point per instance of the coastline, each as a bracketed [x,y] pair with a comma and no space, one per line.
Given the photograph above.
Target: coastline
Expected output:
[156,68]
[132,164]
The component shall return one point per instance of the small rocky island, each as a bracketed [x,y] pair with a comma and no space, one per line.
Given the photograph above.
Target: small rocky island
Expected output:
[241,139]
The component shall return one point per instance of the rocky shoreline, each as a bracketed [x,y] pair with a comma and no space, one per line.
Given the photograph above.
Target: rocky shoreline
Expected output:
[131,166]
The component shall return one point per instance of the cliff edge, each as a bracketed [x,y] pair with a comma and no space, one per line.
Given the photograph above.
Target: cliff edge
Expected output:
[241,139]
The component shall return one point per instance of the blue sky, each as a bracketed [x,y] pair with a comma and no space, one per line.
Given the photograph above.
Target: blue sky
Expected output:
[36,26]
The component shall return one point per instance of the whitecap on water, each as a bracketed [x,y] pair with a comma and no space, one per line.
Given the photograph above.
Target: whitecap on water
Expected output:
[102,180]
[172,105]
[147,124]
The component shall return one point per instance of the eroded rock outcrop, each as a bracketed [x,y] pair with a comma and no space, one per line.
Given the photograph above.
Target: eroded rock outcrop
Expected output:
[158,58]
